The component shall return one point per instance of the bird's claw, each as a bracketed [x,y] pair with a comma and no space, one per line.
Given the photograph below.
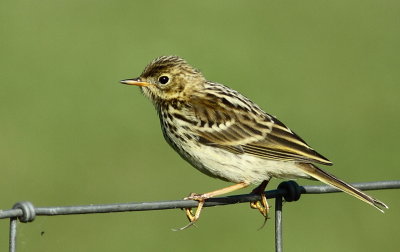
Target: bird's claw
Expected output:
[193,217]
[196,196]
[184,227]
[261,205]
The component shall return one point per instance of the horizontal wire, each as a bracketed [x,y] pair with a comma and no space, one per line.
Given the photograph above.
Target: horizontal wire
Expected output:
[366,186]
[173,204]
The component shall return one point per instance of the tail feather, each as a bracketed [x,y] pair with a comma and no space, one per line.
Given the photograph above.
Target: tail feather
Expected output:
[329,179]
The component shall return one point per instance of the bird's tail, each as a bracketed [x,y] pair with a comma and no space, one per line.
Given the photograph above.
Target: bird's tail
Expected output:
[329,179]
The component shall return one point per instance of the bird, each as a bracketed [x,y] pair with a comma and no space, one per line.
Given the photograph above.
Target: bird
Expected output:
[225,135]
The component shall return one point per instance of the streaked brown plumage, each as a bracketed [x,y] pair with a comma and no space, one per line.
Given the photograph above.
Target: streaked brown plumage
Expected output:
[225,135]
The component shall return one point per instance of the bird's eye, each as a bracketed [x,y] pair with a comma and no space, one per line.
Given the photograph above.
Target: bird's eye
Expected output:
[163,79]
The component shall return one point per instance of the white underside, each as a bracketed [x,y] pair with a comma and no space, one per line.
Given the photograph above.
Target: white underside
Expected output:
[240,167]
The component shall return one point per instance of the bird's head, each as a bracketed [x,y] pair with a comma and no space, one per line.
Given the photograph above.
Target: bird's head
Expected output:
[167,78]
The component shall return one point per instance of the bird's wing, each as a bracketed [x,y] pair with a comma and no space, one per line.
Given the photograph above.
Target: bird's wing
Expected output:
[283,144]
[253,132]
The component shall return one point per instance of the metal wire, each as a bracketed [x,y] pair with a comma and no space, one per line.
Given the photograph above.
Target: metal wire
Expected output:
[173,204]
[13,235]
[376,185]
[290,191]
[278,224]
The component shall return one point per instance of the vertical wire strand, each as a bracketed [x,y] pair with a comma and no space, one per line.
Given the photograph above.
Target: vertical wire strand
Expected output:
[13,235]
[278,224]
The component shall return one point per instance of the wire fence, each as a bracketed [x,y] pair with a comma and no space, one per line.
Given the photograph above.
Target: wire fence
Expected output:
[289,191]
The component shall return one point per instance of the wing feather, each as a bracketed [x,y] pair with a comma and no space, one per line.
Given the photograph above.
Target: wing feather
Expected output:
[259,134]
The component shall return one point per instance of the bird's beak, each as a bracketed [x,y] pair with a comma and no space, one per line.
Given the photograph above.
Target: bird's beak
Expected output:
[136,82]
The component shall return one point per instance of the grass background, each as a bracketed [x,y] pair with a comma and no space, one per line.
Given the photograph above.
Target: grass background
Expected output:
[70,134]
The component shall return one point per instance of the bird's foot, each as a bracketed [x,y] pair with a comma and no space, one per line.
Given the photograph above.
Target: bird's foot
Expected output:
[193,216]
[261,205]
[201,198]
[197,197]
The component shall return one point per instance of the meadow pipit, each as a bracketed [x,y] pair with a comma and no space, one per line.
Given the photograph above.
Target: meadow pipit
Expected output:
[225,135]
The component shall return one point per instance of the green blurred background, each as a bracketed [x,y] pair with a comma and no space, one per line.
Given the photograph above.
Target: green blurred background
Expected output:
[70,134]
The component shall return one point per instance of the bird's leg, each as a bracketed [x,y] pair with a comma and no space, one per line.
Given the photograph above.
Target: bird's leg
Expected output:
[201,198]
[261,205]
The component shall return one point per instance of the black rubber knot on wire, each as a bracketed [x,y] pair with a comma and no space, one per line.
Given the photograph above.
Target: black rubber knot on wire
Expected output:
[292,190]
[28,211]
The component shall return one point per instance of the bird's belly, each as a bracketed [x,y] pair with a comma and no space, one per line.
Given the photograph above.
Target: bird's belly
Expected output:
[238,168]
